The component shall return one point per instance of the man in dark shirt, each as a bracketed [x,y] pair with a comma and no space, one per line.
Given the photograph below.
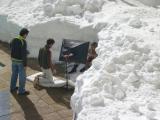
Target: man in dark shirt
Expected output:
[19,61]
[45,62]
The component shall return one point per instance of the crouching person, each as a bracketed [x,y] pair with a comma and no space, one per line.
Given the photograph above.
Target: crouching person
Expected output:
[47,67]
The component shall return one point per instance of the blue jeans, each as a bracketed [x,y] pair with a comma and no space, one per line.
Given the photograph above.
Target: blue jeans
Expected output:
[18,70]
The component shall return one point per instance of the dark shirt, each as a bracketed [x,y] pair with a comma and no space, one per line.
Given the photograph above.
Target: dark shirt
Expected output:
[44,58]
[19,51]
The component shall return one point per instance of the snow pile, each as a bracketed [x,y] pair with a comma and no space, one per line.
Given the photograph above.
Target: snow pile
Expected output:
[31,12]
[71,7]
[123,81]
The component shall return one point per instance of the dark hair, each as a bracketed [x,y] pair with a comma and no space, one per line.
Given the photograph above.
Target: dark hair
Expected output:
[94,44]
[50,41]
[24,31]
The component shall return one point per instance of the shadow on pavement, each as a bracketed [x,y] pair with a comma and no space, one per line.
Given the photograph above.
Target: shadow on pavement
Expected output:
[60,95]
[30,111]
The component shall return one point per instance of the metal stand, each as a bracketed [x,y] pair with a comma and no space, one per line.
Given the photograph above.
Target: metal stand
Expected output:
[66,74]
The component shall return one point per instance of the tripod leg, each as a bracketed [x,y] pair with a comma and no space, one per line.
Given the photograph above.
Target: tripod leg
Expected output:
[66,74]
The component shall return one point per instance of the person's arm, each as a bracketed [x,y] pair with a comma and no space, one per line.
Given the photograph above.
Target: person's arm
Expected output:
[39,57]
[18,49]
[52,66]
[68,56]
[93,53]
[27,51]
[24,52]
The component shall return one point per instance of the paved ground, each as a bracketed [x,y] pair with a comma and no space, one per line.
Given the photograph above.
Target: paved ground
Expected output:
[44,104]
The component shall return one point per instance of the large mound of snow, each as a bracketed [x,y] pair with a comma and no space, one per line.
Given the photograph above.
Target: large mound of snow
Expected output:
[123,81]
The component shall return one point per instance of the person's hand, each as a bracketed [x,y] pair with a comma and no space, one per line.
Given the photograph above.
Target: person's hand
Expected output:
[66,56]
[69,55]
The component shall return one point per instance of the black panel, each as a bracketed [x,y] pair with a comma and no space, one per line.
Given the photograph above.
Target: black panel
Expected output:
[79,49]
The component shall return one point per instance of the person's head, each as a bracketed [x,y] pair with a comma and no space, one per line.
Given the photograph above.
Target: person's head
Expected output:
[24,32]
[94,45]
[50,42]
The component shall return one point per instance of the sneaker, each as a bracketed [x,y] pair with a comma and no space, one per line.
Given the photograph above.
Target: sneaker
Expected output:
[83,69]
[14,90]
[25,93]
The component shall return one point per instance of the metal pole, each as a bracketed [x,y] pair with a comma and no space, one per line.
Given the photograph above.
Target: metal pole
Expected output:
[66,73]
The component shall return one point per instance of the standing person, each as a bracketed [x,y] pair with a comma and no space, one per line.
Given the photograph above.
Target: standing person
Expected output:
[19,62]
[45,62]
